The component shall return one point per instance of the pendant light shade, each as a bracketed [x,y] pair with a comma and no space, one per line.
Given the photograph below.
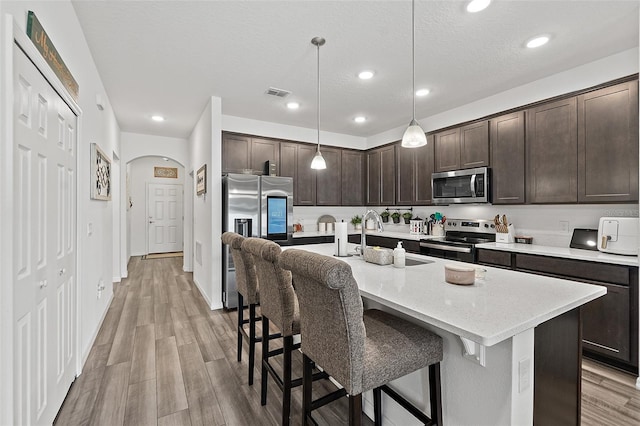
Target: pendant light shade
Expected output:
[414,136]
[318,162]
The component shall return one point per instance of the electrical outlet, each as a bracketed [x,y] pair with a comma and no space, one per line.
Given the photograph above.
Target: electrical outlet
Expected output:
[564,226]
[524,374]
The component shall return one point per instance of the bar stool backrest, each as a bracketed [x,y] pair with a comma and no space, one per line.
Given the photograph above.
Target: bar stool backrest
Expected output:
[246,278]
[278,300]
[332,329]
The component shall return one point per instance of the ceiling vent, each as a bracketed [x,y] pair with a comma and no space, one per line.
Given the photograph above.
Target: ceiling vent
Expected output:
[277,92]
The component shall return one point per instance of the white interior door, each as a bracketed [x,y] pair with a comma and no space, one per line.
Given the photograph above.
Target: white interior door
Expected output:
[44,245]
[165,217]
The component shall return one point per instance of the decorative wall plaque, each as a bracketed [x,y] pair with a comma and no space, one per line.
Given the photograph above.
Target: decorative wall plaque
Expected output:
[100,174]
[165,172]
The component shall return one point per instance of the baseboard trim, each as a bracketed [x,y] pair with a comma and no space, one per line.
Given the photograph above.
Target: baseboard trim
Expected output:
[87,350]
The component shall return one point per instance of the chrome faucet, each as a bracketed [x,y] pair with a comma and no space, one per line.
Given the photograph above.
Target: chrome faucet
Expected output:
[378,219]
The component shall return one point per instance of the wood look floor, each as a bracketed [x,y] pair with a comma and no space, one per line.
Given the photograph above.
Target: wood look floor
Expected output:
[163,358]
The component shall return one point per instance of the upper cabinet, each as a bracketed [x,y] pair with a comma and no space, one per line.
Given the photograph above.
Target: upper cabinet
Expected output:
[508,159]
[296,159]
[552,152]
[328,181]
[463,147]
[240,153]
[352,177]
[380,176]
[414,167]
[608,144]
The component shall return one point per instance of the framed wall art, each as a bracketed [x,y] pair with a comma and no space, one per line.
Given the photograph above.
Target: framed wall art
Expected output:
[100,174]
[201,180]
[165,172]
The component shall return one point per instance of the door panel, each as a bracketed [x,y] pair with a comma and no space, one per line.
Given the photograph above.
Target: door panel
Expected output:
[165,218]
[44,295]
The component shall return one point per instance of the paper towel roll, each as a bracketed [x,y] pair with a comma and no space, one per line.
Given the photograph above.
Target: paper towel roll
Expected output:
[340,239]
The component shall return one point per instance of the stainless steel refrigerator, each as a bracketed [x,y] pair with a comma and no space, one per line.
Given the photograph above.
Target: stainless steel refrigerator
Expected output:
[253,206]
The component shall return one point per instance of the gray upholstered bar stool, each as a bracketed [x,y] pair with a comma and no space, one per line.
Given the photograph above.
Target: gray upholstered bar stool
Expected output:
[361,350]
[247,285]
[279,305]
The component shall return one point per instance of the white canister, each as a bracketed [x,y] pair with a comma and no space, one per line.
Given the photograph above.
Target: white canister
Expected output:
[322,227]
[416,226]
[437,229]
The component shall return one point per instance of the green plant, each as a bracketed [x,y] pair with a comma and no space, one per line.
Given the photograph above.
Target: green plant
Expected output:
[395,215]
[356,220]
[407,215]
[385,213]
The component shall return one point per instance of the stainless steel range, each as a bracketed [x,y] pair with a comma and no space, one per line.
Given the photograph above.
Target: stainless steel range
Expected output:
[460,239]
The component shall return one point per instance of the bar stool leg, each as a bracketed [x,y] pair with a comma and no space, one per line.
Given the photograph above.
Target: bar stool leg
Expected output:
[252,340]
[355,410]
[307,383]
[377,407]
[265,357]
[435,392]
[240,321]
[286,391]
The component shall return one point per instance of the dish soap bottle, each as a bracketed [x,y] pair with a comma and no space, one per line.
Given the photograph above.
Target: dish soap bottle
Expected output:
[399,256]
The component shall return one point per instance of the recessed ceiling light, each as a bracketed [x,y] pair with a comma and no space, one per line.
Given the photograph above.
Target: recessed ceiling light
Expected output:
[537,41]
[165,158]
[422,92]
[360,119]
[157,118]
[365,75]
[477,5]
[293,105]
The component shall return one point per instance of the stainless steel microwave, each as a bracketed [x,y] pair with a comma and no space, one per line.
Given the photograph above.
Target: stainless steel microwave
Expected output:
[462,186]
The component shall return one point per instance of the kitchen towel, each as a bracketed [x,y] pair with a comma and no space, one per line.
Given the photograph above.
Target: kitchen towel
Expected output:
[340,239]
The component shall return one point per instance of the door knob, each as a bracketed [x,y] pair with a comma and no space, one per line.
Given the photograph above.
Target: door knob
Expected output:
[151,221]
[62,271]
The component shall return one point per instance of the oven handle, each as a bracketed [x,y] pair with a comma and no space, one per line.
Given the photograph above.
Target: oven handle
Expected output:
[446,248]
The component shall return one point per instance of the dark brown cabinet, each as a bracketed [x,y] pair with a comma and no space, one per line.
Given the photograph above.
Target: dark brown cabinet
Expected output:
[608,144]
[508,159]
[381,179]
[414,167]
[352,178]
[240,153]
[464,147]
[552,152]
[295,162]
[328,181]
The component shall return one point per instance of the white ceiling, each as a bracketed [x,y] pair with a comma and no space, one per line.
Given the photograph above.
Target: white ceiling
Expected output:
[169,57]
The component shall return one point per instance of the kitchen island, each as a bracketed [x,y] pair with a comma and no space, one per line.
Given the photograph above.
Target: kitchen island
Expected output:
[511,341]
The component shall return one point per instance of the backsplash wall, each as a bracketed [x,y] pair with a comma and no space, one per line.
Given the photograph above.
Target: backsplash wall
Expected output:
[550,225]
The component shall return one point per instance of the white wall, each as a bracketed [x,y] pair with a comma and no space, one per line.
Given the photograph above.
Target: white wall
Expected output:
[95,252]
[140,176]
[606,69]
[206,148]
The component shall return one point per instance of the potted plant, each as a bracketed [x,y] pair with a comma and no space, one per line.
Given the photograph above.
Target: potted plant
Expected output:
[356,221]
[395,216]
[385,216]
[407,217]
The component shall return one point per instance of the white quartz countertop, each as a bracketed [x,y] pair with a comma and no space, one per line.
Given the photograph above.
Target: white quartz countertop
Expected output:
[496,308]
[564,252]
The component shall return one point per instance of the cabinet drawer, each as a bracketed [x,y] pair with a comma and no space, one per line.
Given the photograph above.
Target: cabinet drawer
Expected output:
[493,257]
[576,269]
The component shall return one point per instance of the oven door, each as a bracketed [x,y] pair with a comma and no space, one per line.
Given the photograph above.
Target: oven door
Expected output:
[448,250]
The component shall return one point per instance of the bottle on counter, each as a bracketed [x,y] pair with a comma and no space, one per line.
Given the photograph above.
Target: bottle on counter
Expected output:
[399,256]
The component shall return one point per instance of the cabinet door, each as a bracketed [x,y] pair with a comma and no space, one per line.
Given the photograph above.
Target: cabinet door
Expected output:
[405,174]
[474,145]
[329,180]
[352,178]
[236,153]
[373,178]
[305,176]
[606,325]
[447,150]
[552,152]
[507,159]
[424,168]
[387,176]
[608,144]
[264,150]
[288,161]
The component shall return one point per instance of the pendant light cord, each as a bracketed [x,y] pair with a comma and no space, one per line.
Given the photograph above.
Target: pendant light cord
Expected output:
[413,57]
[318,97]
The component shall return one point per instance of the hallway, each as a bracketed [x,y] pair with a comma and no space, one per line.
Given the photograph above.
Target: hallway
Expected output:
[162,357]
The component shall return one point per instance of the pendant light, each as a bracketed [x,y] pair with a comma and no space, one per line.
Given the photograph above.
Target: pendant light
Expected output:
[318,162]
[414,136]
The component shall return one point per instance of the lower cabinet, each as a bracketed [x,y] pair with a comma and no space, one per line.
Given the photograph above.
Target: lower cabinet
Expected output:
[609,323]
[411,246]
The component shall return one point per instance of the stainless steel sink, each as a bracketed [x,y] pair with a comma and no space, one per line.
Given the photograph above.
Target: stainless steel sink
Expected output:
[416,262]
